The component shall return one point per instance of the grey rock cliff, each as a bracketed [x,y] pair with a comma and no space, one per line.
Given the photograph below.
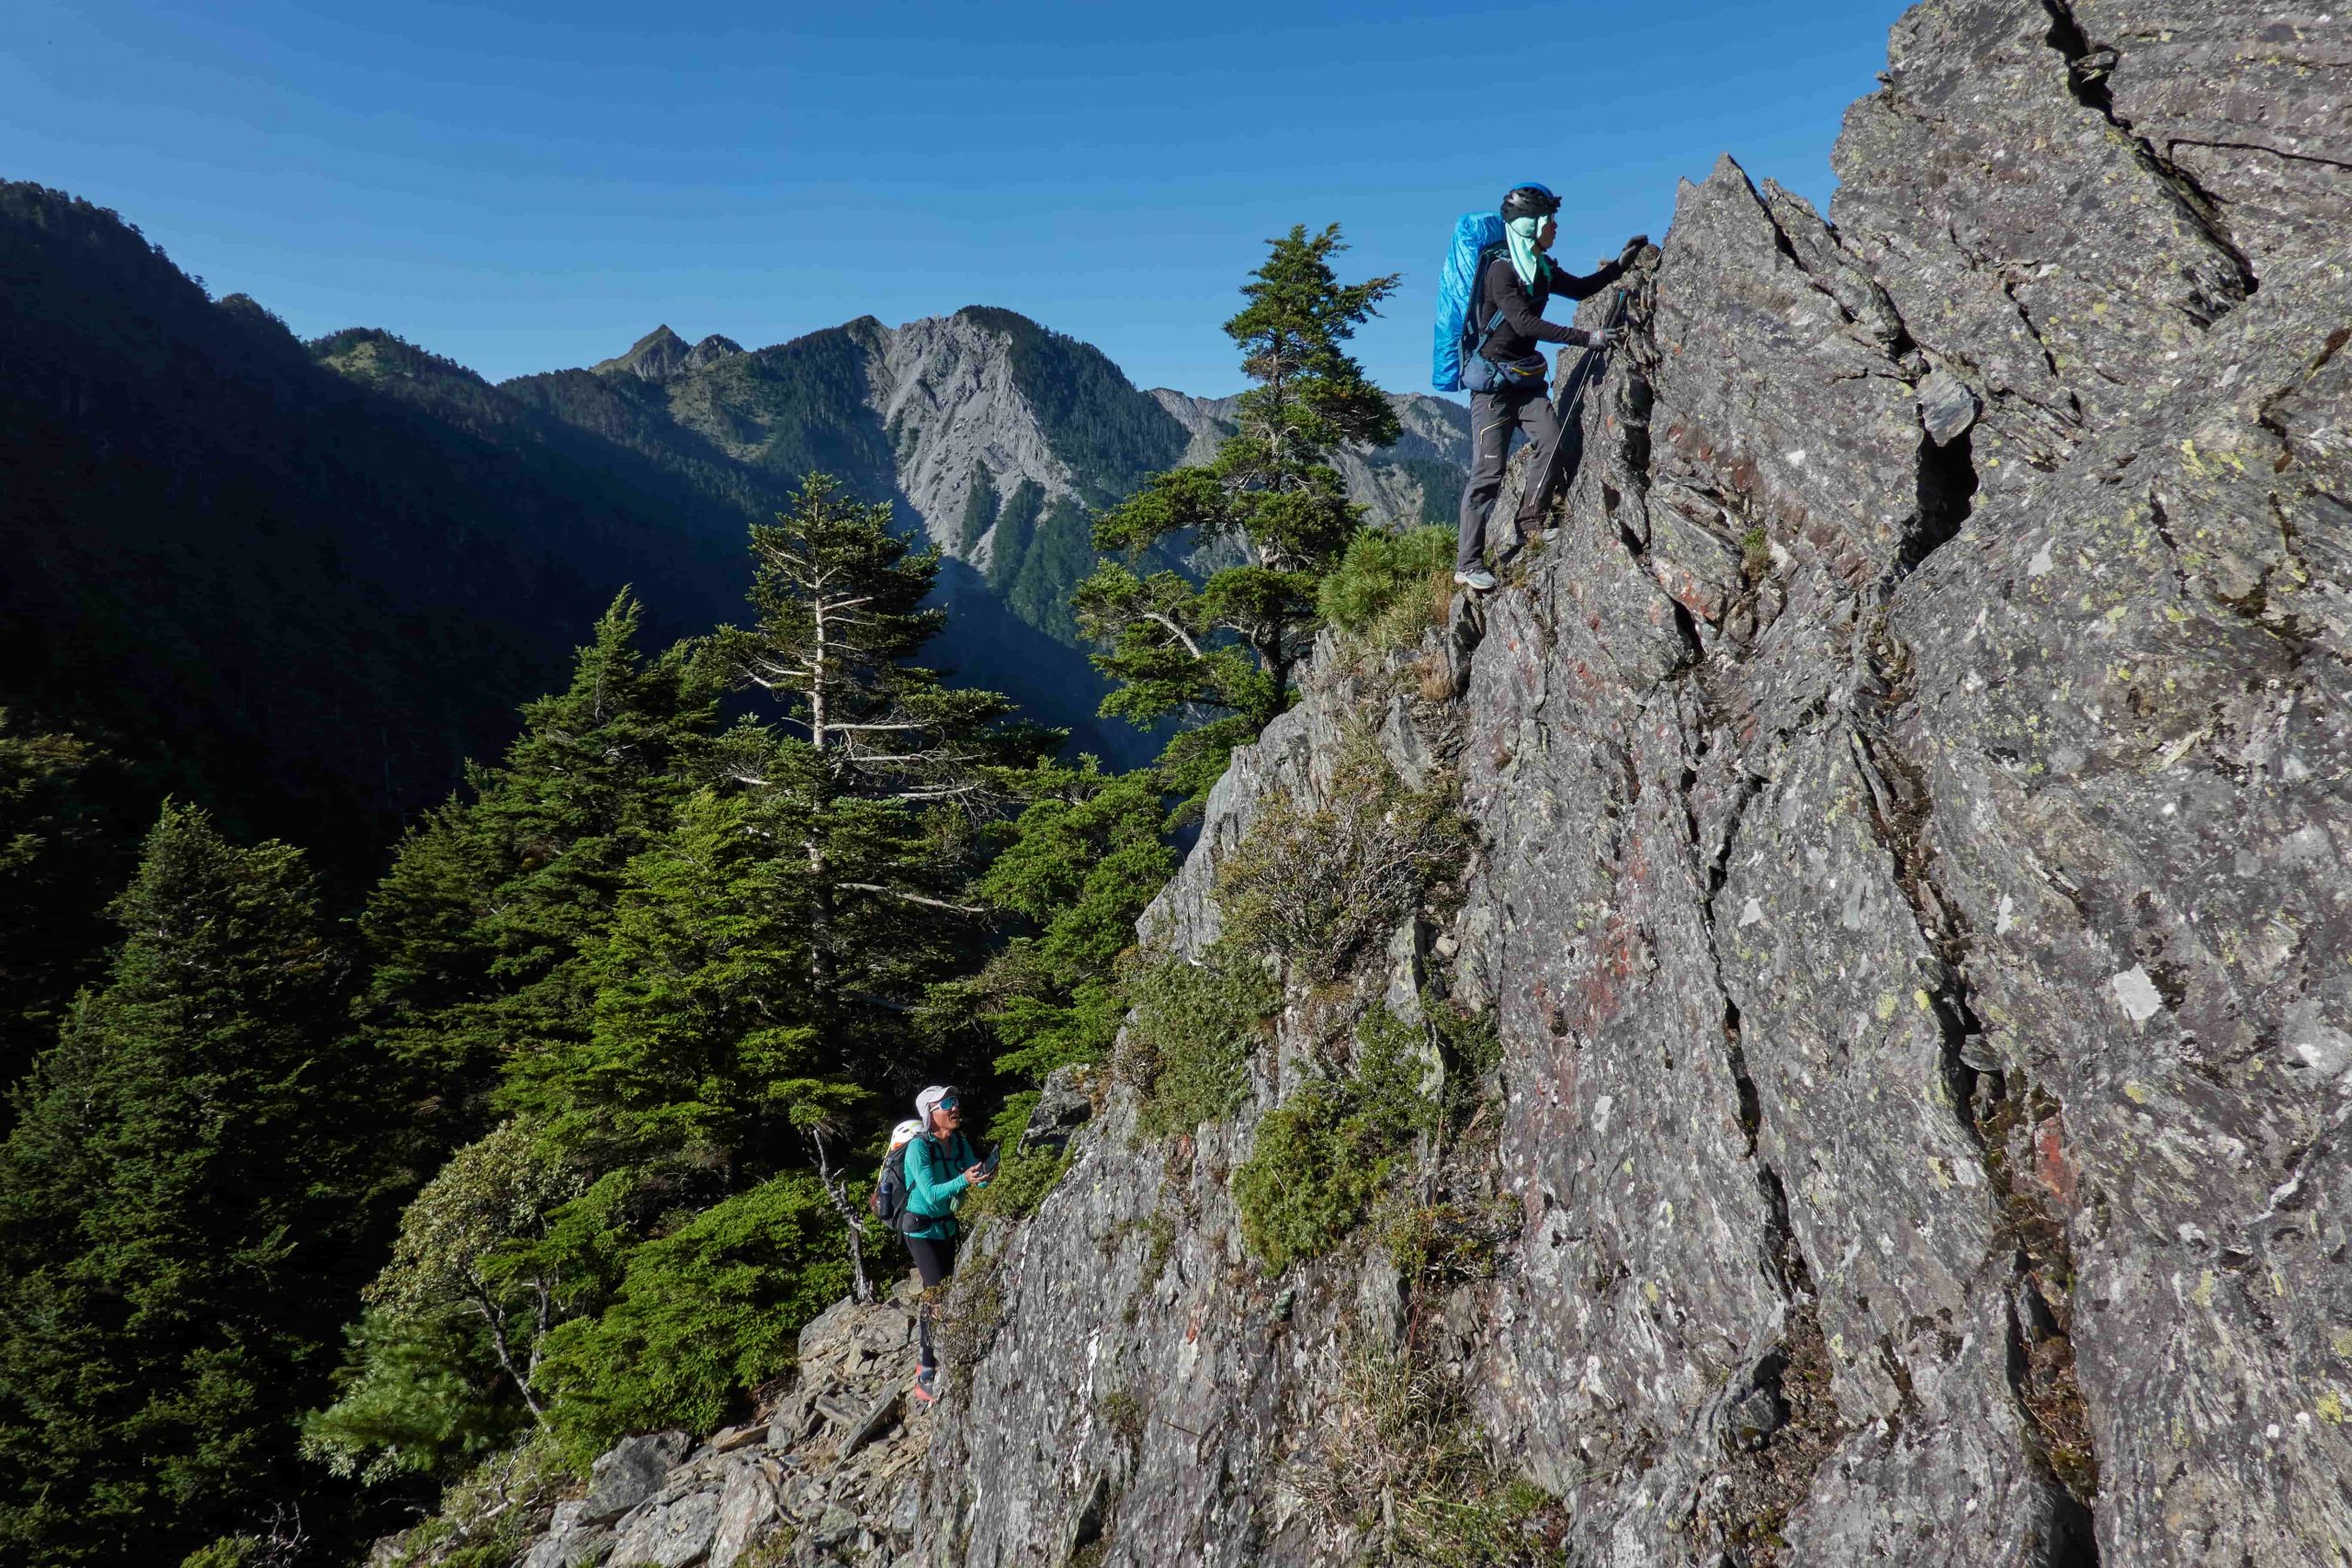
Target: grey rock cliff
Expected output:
[1911,900]
[1912,897]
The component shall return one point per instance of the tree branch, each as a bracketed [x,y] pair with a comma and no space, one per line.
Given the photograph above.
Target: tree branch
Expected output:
[911,897]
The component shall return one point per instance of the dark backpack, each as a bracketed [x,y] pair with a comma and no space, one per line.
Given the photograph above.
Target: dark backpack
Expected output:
[1480,374]
[890,1200]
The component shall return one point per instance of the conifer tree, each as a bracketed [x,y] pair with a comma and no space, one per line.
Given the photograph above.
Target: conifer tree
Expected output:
[1085,857]
[1222,650]
[174,1212]
[887,768]
[481,932]
[55,847]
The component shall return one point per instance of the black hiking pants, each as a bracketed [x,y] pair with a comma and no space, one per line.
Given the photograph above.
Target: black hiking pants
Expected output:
[935,1261]
[1493,417]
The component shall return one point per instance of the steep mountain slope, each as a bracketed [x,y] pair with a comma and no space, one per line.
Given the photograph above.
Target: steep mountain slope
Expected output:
[996,436]
[307,597]
[1913,909]
[1417,480]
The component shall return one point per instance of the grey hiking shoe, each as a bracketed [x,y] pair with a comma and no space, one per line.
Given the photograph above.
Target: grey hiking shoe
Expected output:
[1478,579]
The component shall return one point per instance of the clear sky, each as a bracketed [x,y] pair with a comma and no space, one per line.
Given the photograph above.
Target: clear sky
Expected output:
[527,185]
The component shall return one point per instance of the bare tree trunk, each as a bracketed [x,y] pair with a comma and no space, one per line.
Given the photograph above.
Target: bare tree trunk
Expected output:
[836,1189]
[522,1380]
[821,893]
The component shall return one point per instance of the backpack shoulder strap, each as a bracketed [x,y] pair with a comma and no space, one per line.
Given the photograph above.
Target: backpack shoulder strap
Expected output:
[1475,336]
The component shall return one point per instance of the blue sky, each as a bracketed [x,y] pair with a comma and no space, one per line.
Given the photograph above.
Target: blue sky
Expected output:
[526,186]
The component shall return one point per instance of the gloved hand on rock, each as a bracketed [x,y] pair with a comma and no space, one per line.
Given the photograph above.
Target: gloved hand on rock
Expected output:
[1633,248]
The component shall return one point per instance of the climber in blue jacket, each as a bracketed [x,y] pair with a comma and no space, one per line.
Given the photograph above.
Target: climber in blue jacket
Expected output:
[1509,381]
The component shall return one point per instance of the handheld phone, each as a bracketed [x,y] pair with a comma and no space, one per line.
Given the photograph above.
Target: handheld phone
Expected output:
[987,1165]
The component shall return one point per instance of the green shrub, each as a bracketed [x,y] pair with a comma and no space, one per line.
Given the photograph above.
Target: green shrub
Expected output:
[1323,1158]
[1194,1029]
[1400,1459]
[1314,886]
[1392,1058]
[1023,1177]
[1311,1179]
[488,1514]
[418,1395]
[1390,588]
[702,1314]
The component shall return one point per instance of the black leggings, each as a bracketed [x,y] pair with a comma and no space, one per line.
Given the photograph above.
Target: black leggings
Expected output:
[935,1261]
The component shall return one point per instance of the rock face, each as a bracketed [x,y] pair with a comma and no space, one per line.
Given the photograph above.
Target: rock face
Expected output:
[1912,899]
[1911,909]
[988,400]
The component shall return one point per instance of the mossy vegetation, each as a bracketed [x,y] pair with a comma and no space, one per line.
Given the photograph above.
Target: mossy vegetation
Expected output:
[1312,885]
[1195,1026]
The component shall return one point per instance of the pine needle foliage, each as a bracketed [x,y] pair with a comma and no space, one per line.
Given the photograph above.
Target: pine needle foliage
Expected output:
[172,1207]
[1390,588]
[1222,650]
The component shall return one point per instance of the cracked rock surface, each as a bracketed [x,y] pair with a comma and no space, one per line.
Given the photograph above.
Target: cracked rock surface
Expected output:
[1912,897]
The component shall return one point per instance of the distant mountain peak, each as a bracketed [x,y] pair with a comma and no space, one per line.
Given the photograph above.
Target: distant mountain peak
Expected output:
[662,353]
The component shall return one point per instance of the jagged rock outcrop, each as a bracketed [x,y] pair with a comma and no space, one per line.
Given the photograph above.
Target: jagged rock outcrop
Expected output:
[1912,901]
[824,1476]
[1910,905]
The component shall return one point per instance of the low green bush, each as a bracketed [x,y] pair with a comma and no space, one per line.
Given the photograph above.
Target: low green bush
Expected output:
[1195,1028]
[1323,1158]
[1314,884]
[1390,588]
[1311,1179]
[702,1315]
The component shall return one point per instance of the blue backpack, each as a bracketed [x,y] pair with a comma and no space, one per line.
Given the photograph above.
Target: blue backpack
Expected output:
[1474,233]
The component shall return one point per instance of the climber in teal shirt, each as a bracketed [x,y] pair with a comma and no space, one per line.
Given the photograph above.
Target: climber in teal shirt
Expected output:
[941,1167]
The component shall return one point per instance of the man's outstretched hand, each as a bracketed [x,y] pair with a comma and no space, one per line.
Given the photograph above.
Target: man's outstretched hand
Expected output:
[1633,248]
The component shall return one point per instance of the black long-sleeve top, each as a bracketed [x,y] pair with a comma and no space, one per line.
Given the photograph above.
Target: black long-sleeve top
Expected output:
[1522,325]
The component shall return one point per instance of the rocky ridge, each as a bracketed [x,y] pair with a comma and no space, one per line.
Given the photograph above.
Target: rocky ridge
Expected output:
[953,395]
[1912,912]
[1913,903]
[823,1473]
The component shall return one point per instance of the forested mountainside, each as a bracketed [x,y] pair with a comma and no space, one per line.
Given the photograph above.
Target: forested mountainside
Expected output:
[305,1217]
[1810,1026]
[292,578]
[291,595]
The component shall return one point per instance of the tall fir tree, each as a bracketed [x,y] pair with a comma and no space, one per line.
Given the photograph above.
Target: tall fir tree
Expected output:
[889,771]
[56,849]
[176,1213]
[1222,650]
[480,934]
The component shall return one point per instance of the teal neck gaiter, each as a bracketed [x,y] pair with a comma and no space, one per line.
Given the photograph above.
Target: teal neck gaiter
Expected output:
[1525,259]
